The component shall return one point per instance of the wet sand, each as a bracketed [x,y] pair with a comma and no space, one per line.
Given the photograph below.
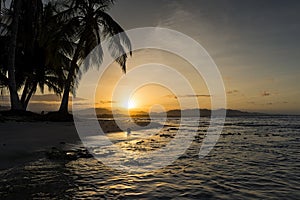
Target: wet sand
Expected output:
[23,141]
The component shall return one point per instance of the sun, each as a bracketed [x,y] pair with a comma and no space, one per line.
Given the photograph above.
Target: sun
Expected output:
[131,104]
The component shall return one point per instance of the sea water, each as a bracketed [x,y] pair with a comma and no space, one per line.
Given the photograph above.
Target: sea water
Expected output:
[254,158]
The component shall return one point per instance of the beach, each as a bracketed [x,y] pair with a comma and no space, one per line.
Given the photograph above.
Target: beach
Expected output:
[20,141]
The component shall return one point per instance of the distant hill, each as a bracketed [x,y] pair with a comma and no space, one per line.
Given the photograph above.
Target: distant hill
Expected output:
[207,113]
[106,113]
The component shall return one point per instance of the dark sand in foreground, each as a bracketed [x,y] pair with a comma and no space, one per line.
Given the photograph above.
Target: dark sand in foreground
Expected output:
[22,141]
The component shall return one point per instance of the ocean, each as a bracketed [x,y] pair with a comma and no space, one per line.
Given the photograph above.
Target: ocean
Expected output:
[254,158]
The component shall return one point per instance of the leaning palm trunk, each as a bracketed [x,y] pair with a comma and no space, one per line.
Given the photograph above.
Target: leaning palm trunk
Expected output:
[89,23]
[14,98]
[65,99]
[24,93]
[28,91]
[31,92]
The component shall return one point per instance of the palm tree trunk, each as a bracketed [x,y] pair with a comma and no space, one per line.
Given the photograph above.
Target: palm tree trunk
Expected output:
[25,92]
[65,99]
[14,98]
[33,89]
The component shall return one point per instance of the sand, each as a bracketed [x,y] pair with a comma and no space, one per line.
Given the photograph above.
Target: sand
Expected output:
[20,141]
[23,141]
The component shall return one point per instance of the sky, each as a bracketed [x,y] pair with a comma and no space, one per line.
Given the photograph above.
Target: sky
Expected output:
[255,45]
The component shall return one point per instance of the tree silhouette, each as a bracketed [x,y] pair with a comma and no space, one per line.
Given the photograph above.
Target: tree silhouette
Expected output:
[12,85]
[36,62]
[44,45]
[91,24]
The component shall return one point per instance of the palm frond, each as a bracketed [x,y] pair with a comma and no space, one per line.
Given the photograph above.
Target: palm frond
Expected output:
[111,28]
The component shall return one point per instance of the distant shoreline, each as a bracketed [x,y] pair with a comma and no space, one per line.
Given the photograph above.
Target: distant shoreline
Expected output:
[6,115]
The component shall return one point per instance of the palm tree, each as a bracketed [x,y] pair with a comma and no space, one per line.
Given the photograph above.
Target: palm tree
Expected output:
[45,62]
[90,24]
[12,85]
[47,78]
[3,61]
[37,62]
[64,41]
[17,44]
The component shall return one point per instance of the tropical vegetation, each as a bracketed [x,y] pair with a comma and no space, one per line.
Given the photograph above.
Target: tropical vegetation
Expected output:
[44,45]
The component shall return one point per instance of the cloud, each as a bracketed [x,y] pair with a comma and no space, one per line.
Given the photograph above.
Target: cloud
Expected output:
[188,96]
[265,94]
[52,98]
[46,98]
[4,98]
[177,17]
[171,96]
[107,102]
[196,95]
[232,91]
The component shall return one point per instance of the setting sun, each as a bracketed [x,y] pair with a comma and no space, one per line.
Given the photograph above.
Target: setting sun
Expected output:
[131,104]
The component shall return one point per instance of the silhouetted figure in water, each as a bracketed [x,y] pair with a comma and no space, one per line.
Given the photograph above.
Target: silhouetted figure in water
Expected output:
[128,132]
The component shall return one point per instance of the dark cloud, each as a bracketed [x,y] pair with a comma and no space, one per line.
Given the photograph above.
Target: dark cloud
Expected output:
[265,94]
[107,102]
[49,98]
[171,96]
[81,104]
[4,98]
[232,91]
[53,98]
[188,96]
[196,95]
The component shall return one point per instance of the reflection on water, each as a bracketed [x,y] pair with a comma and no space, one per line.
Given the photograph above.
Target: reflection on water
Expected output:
[255,158]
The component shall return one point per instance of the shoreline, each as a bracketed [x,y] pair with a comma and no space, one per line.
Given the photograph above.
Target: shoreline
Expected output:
[22,141]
